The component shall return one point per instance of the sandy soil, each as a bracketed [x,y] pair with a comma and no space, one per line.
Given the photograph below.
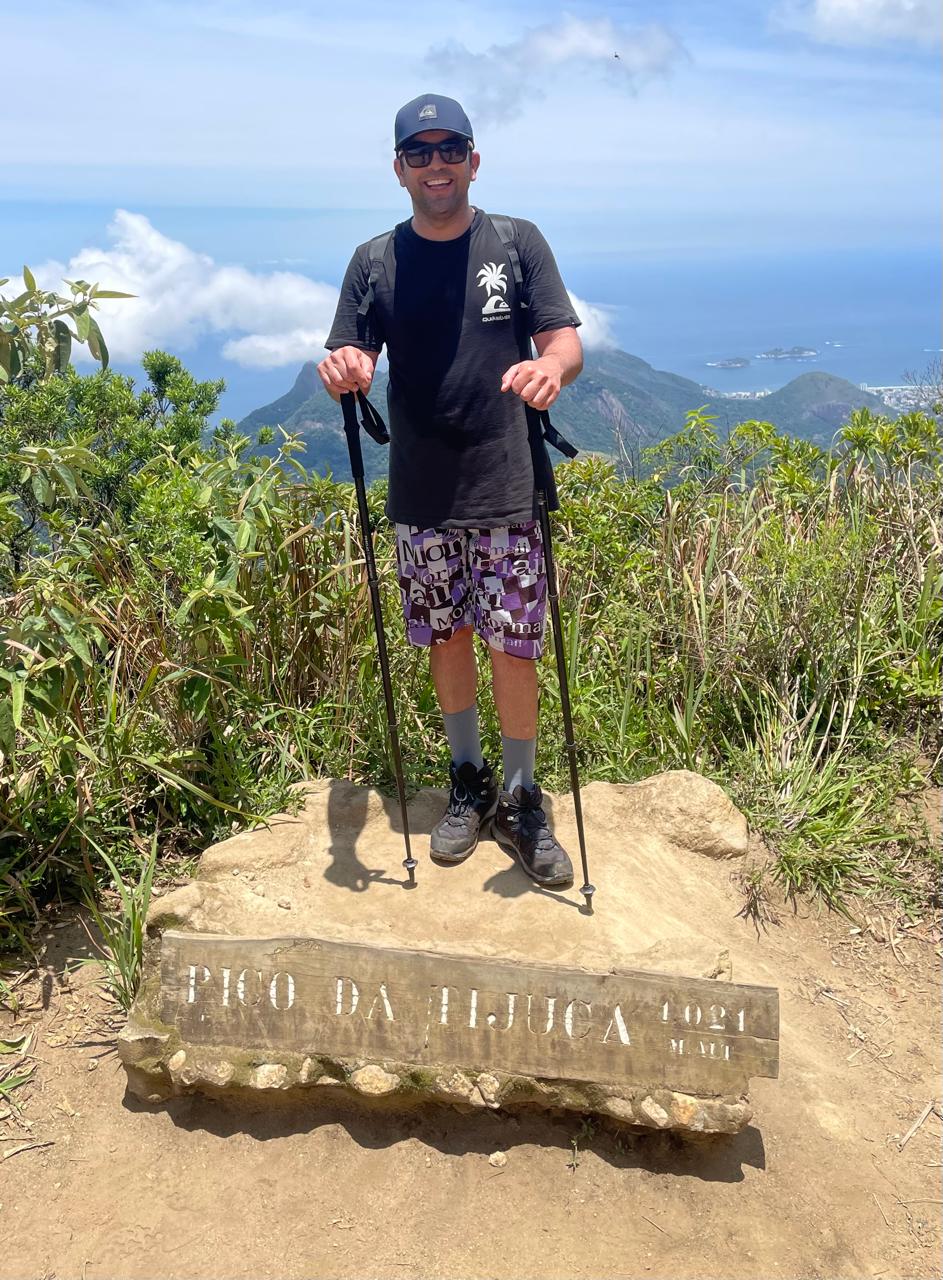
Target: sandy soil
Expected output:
[816,1187]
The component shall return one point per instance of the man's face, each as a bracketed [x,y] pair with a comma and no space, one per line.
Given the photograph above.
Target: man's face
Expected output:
[439,190]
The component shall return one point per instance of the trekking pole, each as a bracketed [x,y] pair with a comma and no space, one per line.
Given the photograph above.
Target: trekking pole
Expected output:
[375,427]
[540,428]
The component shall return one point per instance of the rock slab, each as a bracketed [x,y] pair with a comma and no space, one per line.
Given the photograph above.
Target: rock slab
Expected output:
[476,988]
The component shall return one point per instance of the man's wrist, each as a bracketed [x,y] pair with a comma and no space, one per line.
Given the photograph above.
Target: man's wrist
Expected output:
[552,362]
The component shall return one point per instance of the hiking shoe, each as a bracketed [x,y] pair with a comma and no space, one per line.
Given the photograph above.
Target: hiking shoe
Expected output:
[520,827]
[472,802]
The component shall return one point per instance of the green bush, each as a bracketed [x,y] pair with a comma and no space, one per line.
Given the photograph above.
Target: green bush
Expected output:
[186,632]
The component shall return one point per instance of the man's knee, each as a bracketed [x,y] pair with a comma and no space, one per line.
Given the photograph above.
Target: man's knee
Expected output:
[459,640]
[510,661]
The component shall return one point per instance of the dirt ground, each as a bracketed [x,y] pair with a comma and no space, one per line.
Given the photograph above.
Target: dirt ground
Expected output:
[94,1184]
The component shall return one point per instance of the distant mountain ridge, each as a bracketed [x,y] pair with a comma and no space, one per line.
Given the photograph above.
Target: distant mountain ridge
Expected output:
[619,404]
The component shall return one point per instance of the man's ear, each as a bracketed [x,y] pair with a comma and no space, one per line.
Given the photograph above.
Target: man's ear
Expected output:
[398,170]
[475,162]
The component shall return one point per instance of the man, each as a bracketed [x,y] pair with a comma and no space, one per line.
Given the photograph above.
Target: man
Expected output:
[461,491]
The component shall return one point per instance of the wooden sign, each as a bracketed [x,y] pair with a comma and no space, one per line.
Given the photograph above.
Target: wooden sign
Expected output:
[308,995]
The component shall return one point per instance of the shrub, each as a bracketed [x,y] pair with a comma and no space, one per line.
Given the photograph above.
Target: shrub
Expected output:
[186,632]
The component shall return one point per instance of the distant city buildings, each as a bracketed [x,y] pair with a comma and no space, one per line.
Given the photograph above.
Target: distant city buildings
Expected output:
[906,399]
[903,399]
[737,395]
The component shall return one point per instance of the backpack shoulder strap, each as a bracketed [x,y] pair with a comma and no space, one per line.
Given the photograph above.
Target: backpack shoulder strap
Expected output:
[540,428]
[507,231]
[377,251]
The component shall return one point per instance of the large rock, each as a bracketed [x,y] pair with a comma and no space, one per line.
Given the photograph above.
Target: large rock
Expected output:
[231,1013]
[688,811]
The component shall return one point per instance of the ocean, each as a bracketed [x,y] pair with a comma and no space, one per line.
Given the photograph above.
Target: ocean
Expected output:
[880,310]
[873,317]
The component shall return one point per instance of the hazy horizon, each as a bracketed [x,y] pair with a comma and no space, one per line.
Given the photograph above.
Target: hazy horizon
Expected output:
[713,180]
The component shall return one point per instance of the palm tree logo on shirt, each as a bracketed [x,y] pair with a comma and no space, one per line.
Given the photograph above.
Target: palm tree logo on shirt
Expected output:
[492,277]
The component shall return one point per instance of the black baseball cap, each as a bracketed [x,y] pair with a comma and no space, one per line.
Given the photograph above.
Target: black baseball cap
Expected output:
[430,111]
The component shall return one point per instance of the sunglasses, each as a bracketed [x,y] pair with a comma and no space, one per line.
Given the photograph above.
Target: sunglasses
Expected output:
[452,151]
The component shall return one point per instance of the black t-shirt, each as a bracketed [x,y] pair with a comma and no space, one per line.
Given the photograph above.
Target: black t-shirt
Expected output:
[459,454]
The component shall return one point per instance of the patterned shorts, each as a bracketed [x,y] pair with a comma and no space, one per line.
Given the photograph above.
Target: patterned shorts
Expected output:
[494,578]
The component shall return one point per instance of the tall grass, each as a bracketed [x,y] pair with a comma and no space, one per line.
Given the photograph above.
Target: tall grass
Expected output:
[758,610]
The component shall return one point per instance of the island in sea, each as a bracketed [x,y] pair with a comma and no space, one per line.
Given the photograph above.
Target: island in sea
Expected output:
[792,353]
[732,362]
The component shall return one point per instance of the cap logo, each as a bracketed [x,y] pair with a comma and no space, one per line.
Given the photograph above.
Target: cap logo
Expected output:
[428,112]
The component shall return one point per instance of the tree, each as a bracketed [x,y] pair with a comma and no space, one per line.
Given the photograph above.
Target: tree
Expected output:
[71,447]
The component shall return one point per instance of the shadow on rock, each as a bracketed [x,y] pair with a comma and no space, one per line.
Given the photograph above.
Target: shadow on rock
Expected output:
[512,882]
[346,819]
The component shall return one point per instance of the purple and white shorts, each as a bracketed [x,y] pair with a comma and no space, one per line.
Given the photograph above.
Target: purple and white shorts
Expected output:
[493,578]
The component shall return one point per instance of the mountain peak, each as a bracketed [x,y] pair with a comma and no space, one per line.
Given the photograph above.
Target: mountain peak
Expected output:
[307,380]
[620,402]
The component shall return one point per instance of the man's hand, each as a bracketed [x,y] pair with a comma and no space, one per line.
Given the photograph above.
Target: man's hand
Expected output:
[347,369]
[559,361]
[536,381]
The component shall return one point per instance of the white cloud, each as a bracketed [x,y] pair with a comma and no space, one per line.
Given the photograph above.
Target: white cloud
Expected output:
[596,329]
[272,350]
[863,21]
[183,296]
[499,83]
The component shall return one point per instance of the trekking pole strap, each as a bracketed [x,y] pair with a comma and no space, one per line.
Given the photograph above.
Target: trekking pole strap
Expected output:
[553,437]
[540,433]
[371,421]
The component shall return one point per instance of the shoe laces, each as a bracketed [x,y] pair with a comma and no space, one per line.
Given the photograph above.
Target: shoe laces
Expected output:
[461,797]
[531,817]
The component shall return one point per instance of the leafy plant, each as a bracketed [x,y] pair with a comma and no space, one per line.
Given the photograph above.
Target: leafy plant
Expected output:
[123,931]
[186,633]
[15,1073]
[37,321]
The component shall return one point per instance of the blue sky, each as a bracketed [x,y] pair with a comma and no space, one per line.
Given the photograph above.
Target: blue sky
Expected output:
[242,138]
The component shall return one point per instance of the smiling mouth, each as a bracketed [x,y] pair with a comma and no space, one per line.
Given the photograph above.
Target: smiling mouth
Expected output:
[437,184]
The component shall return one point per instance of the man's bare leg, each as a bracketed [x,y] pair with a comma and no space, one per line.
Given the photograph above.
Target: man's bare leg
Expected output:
[454,671]
[514,681]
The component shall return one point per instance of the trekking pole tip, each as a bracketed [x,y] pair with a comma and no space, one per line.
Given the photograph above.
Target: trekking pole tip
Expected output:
[587,891]
[410,864]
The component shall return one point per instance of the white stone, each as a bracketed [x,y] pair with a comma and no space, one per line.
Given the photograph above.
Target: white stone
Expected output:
[489,1088]
[621,1108]
[217,1073]
[455,1084]
[653,1113]
[270,1075]
[374,1081]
